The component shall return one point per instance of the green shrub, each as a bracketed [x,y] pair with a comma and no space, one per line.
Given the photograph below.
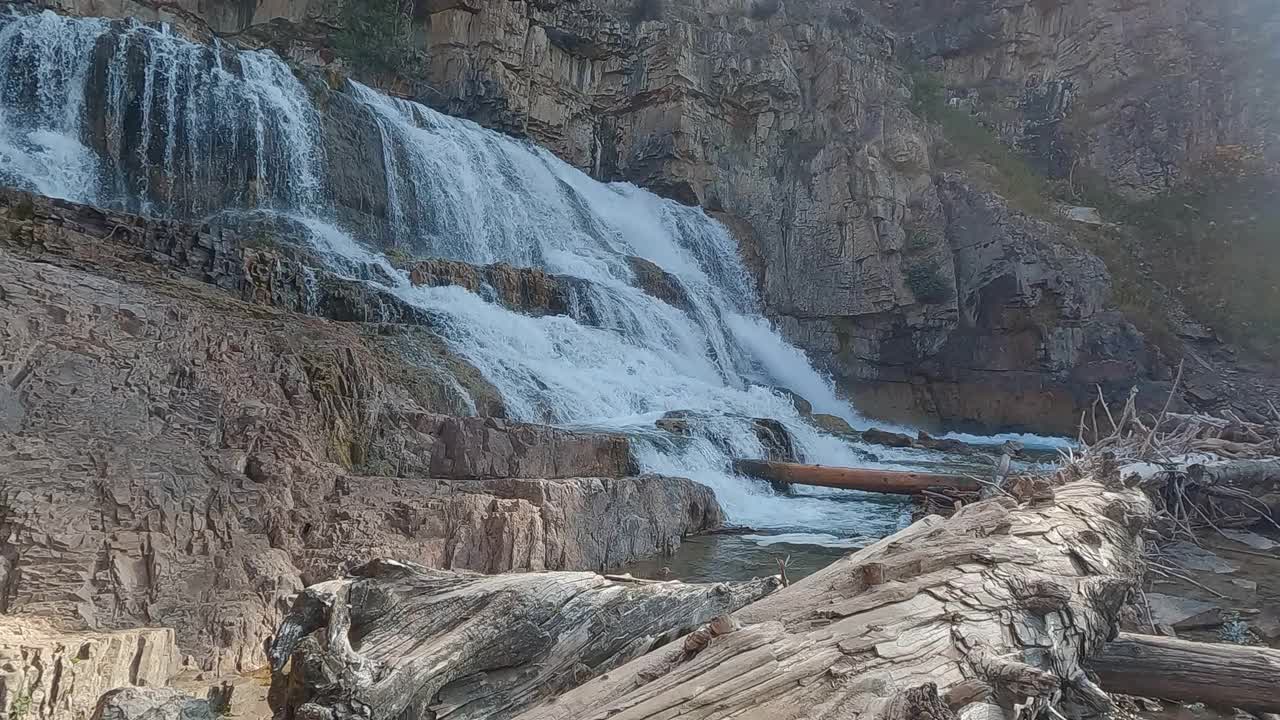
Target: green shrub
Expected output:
[21,705]
[377,36]
[1214,247]
[399,257]
[928,95]
[918,241]
[926,282]
[969,142]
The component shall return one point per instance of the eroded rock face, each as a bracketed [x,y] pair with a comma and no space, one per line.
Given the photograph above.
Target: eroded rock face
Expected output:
[50,675]
[1139,92]
[176,456]
[790,123]
[527,290]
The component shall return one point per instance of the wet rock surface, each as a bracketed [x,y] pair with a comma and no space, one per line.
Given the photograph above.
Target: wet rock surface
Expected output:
[866,253]
[177,456]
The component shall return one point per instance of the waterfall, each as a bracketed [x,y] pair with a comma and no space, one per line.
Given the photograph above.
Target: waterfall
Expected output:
[170,127]
[135,117]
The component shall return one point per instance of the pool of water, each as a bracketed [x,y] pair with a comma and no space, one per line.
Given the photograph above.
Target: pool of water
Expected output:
[719,558]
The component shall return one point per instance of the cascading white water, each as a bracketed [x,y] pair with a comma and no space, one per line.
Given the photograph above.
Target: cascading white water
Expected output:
[173,120]
[175,117]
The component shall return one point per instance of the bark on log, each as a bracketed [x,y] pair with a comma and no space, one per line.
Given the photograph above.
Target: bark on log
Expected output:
[987,614]
[881,481]
[1237,473]
[1259,479]
[401,641]
[1221,675]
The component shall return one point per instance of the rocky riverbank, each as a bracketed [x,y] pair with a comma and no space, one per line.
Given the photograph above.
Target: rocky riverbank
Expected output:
[176,455]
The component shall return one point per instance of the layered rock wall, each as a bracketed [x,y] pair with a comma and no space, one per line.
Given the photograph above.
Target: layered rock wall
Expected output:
[51,675]
[790,122]
[1140,92]
[175,456]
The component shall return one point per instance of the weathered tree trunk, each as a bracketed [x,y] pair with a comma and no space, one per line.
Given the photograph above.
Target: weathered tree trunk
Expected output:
[1255,483]
[986,615]
[402,641]
[1215,674]
[896,482]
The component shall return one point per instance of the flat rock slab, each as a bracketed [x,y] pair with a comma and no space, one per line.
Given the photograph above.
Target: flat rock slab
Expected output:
[1252,539]
[1193,557]
[1173,610]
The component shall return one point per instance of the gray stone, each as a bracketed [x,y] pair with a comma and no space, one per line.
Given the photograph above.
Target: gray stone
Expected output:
[1252,539]
[1172,610]
[1194,557]
[152,704]
[1085,215]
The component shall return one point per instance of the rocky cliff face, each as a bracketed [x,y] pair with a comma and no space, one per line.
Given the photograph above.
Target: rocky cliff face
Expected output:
[790,121]
[176,456]
[51,675]
[1139,92]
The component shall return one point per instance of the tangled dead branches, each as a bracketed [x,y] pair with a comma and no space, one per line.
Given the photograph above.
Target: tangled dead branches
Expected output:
[1201,470]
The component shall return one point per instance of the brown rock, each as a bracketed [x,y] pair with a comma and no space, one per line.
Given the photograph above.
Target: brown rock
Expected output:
[675,422]
[777,442]
[832,424]
[176,456]
[659,283]
[46,674]
[528,290]
[927,441]
[876,436]
[804,407]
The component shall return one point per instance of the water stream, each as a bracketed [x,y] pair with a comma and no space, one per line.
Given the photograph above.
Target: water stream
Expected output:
[135,117]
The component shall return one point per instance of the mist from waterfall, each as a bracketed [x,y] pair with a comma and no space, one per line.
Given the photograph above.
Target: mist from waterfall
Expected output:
[177,117]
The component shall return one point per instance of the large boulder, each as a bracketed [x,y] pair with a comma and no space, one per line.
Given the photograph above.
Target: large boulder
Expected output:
[152,704]
[47,673]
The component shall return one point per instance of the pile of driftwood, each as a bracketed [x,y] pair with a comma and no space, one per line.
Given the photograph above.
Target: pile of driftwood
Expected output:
[1006,610]
[1201,470]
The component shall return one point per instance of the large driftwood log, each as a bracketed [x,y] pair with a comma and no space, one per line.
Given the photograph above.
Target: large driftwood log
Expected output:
[402,641]
[896,482]
[1200,487]
[983,616]
[1255,483]
[1215,674]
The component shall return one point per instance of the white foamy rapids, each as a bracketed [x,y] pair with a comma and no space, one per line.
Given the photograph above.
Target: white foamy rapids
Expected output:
[236,131]
[805,539]
[206,118]
[1027,440]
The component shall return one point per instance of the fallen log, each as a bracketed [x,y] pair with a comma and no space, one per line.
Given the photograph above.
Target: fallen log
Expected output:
[1226,676]
[896,482]
[1237,473]
[982,616]
[401,641]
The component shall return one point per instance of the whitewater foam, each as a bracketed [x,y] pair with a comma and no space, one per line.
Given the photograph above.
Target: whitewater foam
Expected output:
[242,124]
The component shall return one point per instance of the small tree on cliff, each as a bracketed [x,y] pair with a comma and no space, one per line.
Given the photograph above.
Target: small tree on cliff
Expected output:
[377,36]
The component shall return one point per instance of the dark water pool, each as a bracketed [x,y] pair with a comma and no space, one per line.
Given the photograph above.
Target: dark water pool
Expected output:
[716,558]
